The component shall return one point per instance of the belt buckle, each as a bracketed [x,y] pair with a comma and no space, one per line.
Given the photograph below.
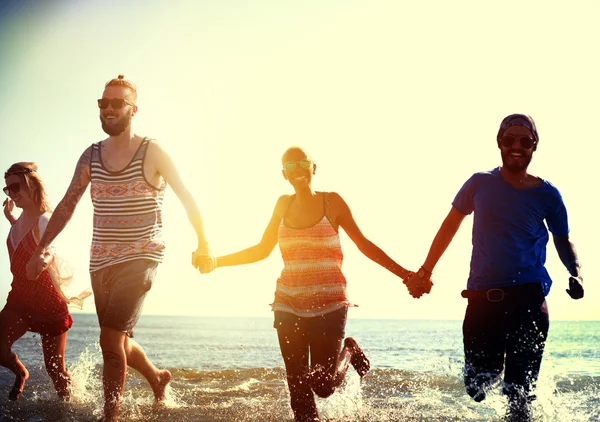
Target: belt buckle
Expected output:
[491,299]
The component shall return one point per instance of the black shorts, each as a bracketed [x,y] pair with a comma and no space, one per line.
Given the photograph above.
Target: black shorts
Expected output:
[332,323]
[507,334]
[119,293]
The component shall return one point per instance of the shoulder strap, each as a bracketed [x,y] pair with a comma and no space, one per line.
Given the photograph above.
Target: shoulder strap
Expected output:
[327,199]
[95,149]
[40,227]
[95,157]
[141,152]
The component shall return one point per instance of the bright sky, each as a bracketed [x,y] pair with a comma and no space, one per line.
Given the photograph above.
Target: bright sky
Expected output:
[399,103]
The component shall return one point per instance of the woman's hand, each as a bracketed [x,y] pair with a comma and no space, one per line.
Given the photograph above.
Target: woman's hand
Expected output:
[9,206]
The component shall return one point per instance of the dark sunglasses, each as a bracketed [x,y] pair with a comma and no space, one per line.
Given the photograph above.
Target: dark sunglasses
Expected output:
[291,165]
[13,187]
[508,141]
[116,103]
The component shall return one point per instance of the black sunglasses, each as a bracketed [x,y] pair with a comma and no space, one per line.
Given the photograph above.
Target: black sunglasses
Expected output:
[13,187]
[509,140]
[116,103]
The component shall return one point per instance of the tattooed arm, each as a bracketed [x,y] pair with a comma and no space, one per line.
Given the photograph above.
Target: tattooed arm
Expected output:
[62,214]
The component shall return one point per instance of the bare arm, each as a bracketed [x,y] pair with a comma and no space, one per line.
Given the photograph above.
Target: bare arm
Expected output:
[567,254]
[266,245]
[442,239]
[420,283]
[166,168]
[66,207]
[344,217]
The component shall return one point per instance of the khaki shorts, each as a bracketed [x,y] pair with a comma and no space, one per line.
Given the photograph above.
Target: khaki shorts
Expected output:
[119,292]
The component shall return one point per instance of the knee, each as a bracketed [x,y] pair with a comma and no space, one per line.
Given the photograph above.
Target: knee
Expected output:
[301,394]
[111,339]
[322,386]
[324,391]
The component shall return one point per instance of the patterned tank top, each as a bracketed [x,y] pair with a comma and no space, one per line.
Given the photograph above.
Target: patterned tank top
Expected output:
[127,212]
[311,282]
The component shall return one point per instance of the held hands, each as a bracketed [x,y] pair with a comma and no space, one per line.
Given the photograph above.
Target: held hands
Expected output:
[575,289]
[418,283]
[203,260]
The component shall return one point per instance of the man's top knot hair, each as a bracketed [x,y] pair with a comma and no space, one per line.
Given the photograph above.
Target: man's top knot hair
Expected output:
[120,80]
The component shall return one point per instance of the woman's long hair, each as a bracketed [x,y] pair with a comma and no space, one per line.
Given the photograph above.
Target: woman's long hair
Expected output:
[28,174]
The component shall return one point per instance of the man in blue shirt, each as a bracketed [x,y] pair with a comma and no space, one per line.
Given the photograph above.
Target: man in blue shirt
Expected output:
[506,321]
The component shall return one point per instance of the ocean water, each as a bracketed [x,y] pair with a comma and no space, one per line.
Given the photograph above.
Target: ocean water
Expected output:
[230,369]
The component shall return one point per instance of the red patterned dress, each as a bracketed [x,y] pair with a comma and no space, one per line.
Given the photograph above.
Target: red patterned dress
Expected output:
[37,302]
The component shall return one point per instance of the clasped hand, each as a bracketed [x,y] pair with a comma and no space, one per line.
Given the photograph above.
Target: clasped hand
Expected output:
[417,286]
[204,261]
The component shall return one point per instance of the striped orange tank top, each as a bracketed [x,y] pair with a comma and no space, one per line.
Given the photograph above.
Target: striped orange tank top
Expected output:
[311,282]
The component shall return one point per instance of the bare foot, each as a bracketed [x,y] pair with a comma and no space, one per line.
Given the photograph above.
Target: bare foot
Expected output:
[17,389]
[63,386]
[358,359]
[164,378]
[111,410]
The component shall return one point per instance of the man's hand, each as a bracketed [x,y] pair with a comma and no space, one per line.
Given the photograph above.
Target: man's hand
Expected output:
[203,260]
[575,289]
[35,266]
[418,286]
[207,264]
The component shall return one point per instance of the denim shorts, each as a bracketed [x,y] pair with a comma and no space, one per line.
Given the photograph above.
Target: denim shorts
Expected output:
[119,292]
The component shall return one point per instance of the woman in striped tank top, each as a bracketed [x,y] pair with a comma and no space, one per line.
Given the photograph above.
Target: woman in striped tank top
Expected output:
[310,303]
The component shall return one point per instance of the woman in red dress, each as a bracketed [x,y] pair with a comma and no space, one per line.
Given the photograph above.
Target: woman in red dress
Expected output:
[31,305]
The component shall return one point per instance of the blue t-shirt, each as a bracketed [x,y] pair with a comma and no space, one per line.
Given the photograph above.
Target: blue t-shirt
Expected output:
[509,235]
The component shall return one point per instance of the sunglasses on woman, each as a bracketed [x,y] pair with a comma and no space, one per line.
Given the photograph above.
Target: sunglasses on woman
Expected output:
[291,165]
[13,187]
[116,103]
[509,140]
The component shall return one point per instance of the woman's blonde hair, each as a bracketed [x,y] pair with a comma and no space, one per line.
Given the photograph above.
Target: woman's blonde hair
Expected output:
[28,174]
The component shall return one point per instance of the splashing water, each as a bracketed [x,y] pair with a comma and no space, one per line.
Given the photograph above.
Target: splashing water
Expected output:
[214,380]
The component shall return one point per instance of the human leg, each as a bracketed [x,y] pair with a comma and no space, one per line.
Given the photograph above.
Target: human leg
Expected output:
[358,359]
[114,371]
[484,344]
[293,342]
[137,359]
[525,347]
[329,364]
[12,328]
[119,292]
[54,359]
